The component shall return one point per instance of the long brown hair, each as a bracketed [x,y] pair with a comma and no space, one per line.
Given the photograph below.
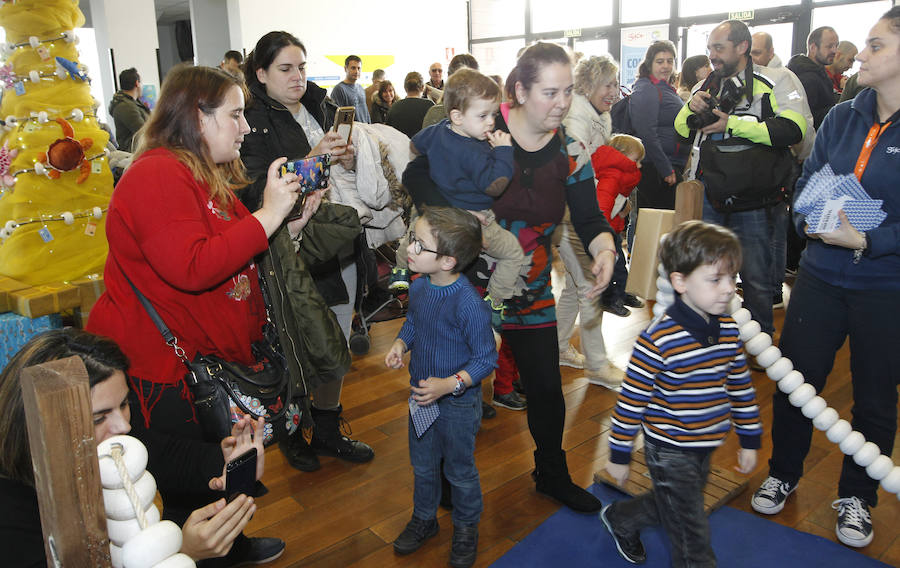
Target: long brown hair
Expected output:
[175,126]
[101,356]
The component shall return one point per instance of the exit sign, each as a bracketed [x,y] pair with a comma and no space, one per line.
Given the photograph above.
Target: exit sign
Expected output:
[744,15]
[572,33]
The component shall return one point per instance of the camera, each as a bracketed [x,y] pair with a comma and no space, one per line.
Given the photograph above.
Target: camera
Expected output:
[731,94]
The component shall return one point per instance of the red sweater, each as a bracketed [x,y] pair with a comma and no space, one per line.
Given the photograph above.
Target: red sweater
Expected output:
[615,175]
[190,259]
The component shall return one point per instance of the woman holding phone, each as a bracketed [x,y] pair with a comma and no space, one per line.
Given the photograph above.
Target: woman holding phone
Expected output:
[292,117]
[209,532]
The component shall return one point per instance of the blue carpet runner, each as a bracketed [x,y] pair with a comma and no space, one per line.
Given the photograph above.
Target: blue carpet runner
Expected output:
[739,540]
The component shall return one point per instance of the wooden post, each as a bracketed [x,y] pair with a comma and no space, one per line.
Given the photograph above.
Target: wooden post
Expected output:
[57,401]
[688,202]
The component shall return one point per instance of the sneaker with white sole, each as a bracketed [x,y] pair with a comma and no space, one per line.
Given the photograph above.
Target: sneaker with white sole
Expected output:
[510,400]
[571,358]
[854,524]
[606,376]
[631,549]
[771,495]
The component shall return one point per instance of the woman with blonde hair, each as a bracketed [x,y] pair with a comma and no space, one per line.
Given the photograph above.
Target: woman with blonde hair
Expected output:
[178,234]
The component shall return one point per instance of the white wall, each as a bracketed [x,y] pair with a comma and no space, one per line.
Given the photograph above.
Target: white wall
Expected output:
[168,48]
[209,27]
[128,27]
[413,31]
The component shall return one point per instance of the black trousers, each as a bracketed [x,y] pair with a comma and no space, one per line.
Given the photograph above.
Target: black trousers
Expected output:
[653,192]
[537,357]
[819,319]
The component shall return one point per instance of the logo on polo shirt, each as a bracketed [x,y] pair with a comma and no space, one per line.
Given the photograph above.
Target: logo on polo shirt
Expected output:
[893,150]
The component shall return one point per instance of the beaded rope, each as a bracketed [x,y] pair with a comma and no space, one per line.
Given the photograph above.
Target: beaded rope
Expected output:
[116,451]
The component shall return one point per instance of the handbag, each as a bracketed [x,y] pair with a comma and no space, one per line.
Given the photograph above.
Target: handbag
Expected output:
[223,390]
[741,175]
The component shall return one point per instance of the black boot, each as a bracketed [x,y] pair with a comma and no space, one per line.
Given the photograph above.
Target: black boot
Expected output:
[298,453]
[328,440]
[551,476]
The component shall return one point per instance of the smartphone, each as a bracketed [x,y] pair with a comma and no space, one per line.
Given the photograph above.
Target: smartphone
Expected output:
[312,172]
[343,122]
[240,475]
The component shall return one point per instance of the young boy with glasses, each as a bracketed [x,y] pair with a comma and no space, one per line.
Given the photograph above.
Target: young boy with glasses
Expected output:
[448,332]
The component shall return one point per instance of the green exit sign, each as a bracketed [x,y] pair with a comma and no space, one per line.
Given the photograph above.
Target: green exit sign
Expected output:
[572,33]
[743,15]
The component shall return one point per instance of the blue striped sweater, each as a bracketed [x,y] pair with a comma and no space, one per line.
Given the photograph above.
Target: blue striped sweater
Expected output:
[448,330]
[686,383]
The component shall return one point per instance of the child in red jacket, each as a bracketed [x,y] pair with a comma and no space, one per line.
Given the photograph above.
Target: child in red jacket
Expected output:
[617,171]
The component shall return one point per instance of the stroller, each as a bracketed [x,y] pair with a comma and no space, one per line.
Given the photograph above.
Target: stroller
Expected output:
[374,302]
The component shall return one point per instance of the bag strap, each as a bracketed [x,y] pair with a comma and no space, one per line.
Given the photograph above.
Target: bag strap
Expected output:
[164,330]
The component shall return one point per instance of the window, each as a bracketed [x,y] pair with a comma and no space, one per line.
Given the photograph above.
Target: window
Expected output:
[644,10]
[852,23]
[554,15]
[497,57]
[496,18]
[701,7]
[593,47]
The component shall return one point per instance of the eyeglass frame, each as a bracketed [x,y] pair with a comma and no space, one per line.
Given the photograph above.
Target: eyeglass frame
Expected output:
[418,247]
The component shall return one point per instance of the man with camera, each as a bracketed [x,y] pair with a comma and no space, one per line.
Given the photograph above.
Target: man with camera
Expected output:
[742,121]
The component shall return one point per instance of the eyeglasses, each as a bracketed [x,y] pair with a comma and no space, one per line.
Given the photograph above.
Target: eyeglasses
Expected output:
[418,247]
[436,70]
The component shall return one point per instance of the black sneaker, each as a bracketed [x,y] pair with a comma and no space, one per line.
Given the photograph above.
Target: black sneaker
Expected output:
[519,387]
[771,495]
[631,549]
[510,400]
[854,524]
[464,546]
[617,308]
[632,301]
[252,551]
[778,301]
[399,281]
[414,535]
[487,411]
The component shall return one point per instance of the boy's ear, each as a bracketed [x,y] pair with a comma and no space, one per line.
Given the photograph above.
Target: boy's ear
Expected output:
[678,280]
[455,116]
[448,263]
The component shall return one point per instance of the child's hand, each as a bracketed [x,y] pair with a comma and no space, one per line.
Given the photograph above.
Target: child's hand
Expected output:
[499,138]
[431,389]
[619,472]
[746,460]
[394,357]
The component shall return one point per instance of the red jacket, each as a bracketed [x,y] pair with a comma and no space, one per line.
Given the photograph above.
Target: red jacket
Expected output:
[615,175]
[193,261]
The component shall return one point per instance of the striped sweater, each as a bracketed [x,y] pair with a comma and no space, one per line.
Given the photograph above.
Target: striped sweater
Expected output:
[448,330]
[687,382]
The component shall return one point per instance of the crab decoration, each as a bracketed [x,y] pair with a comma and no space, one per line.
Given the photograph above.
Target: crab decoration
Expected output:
[65,154]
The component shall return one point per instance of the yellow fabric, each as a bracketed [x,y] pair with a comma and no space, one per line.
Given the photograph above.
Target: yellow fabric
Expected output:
[72,253]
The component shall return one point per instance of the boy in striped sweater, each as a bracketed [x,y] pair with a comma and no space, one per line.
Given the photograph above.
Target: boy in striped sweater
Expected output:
[448,330]
[686,384]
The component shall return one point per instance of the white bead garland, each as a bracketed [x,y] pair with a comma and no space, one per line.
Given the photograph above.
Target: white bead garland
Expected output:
[800,393]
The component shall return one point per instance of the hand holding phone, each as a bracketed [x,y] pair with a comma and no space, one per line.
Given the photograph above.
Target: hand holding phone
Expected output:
[312,172]
[240,475]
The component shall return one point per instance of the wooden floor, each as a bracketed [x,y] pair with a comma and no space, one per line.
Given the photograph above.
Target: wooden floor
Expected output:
[348,515]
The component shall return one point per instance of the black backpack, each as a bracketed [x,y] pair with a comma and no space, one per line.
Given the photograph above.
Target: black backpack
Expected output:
[621,122]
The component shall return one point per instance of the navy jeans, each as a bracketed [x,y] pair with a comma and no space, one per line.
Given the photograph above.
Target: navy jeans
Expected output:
[676,503]
[755,229]
[451,438]
[780,227]
[818,320]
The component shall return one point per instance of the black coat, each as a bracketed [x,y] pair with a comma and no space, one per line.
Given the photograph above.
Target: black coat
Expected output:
[818,86]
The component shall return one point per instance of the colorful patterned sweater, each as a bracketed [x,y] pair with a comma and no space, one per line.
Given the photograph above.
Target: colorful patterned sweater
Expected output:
[687,382]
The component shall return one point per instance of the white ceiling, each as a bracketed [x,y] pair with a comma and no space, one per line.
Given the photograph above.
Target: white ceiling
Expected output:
[168,11]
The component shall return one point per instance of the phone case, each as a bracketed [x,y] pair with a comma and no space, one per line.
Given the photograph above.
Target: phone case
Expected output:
[343,121]
[240,475]
[312,172]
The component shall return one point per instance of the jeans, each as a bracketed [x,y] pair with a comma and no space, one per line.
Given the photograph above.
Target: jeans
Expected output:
[755,231]
[818,320]
[780,227]
[676,502]
[616,289]
[451,438]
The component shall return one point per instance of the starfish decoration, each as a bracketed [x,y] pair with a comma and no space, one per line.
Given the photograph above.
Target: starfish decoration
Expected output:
[6,158]
[7,76]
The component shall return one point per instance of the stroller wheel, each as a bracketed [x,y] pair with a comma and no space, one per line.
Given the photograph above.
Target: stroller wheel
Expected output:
[359,343]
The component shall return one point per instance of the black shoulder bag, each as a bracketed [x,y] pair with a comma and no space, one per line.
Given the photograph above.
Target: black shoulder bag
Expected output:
[223,390]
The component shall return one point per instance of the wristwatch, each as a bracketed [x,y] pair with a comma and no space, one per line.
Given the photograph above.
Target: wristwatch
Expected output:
[460,385]
[863,250]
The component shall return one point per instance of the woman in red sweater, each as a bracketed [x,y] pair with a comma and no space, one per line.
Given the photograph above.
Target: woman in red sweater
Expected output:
[177,231]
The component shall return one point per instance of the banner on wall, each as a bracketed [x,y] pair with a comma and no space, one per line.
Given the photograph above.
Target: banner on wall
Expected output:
[635,42]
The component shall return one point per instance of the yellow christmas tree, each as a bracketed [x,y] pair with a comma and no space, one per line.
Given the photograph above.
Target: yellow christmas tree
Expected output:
[54,175]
